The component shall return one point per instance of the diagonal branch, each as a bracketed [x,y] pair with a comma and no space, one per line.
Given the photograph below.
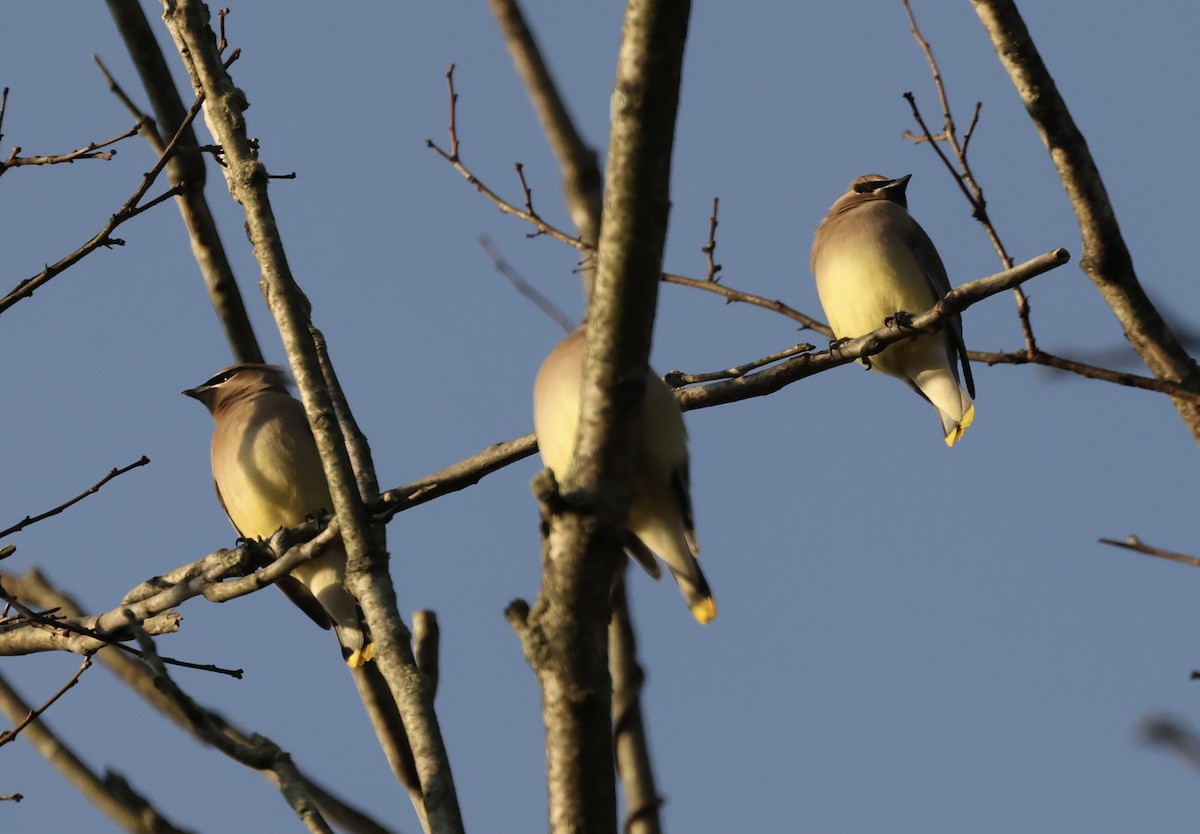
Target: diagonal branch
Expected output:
[964,177]
[1106,259]
[470,471]
[259,754]
[367,576]
[92,490]
[111,793]
[36,589]
[127,211]
[37,712]
[92,150]
[580,172]
[151,601]
[186,169]
[565,636]
[1138,546]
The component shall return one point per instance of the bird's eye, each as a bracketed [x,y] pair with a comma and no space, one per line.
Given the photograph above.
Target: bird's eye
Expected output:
[220,378]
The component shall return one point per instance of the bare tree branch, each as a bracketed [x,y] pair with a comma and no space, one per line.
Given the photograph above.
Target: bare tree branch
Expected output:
[92,490]
[31,632]
[740,385]
[524,287]
[36,589]
[452,156]
[88,151]
[565,634]
[769,380]
[152,601]
[1170,732]
[127,211]
[1138,546]
[227,574]
[260,754]
[111,793]
[185,169]
[964,177]
[580,172]
[36,712]
[709,249]
[367,576]
[1105,259]
[629,733]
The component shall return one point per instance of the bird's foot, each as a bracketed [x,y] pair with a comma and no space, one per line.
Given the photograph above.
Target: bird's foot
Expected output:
[837,344]
[900,320]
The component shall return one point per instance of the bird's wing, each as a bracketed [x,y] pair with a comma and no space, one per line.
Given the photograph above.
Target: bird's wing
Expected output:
[681,487]
[292,588]
[930,261]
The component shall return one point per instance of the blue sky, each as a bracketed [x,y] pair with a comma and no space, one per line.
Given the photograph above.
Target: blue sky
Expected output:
[910,639]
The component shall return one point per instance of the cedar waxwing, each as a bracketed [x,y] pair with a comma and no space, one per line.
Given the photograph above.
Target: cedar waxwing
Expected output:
[660,514]
[872,260]
[268,475]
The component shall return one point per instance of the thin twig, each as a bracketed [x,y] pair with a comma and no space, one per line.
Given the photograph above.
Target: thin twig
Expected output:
[94,634]
[1040,357]
[678,379]
[525,189]
[710,246]
[34,714]
[92,490]
[89,151]
[149,126]
[1138,546]
[730,294]
[111,793]
[367,575]
[1164,730]
[543,228]
[3,110]
[36,588]
[963,176]
[581,184]
[222,41]
[524,287]
[186,167]
[528,215]
[260,754]
[128,210]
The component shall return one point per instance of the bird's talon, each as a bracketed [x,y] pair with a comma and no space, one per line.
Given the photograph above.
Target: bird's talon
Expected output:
[837,344]
[900,320]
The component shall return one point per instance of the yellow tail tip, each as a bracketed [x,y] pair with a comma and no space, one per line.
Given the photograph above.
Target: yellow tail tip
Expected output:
[704,611]
[964,423]
[360,656]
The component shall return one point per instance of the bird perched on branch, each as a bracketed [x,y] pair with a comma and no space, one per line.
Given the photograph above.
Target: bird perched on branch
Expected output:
[268,475]
[660,513]
[872,261]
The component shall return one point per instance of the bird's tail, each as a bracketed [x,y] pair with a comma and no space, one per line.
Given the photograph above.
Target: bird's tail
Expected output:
[355,640]
[940,386]
[704,609]
[324,578]
[955,429]
[684,567]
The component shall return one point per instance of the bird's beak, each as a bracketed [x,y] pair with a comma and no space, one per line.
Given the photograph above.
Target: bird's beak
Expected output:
[194,393]
[900,182]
